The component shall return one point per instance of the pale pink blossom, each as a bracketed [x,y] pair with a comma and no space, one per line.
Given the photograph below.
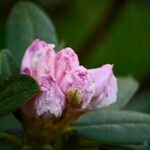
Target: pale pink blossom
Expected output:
[105,86]
[58,73]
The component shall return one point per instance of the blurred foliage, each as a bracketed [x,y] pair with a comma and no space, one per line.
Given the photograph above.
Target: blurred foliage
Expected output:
[79,20]
[9,122]
[112,126]
[127,45]
[124,43]
[8,64]
[141,102]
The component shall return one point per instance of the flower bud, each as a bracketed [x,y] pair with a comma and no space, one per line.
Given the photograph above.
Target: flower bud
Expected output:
[75,98]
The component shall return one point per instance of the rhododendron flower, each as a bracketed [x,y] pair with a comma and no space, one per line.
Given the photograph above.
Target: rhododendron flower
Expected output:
[58,74]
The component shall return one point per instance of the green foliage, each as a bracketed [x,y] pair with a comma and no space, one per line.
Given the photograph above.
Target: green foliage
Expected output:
[127,43]
[8,65]
[123,127]
[124,147]
[26,23]
[78,20]
[11,133]
[16,90]
[141,102]
[9,123]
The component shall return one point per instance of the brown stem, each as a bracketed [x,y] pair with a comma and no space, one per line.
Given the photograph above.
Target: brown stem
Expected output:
[100,32]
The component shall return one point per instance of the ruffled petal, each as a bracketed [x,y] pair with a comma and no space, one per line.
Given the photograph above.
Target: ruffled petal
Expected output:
[38,59]
[36,47]
[45,64]
[81,79]
[51,100]
[66,59]
[105,86]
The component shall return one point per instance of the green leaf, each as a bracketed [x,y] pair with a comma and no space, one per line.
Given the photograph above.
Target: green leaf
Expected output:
[145,146]
[26,23]
[8,65]
[16,90]
[141,102]
[124,147]
[126,89]
[123,127]
[10,123]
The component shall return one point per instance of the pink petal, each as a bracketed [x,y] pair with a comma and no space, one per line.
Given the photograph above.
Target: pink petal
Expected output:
[105,86]
[66,59]
[39,60]
[45,64]
[81,79]
[51,100]
[36,46]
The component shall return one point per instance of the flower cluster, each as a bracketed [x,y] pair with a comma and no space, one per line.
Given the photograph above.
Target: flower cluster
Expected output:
[64,81]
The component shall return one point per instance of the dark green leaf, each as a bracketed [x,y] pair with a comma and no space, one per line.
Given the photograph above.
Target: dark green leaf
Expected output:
[126,89]
[141,102]
[9,123]
[145,146]
[15,91]
[123,127]
[26,23]
[8,65]
[124,147]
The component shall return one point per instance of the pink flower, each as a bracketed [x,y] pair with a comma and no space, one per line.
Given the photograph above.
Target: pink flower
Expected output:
[58,73]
